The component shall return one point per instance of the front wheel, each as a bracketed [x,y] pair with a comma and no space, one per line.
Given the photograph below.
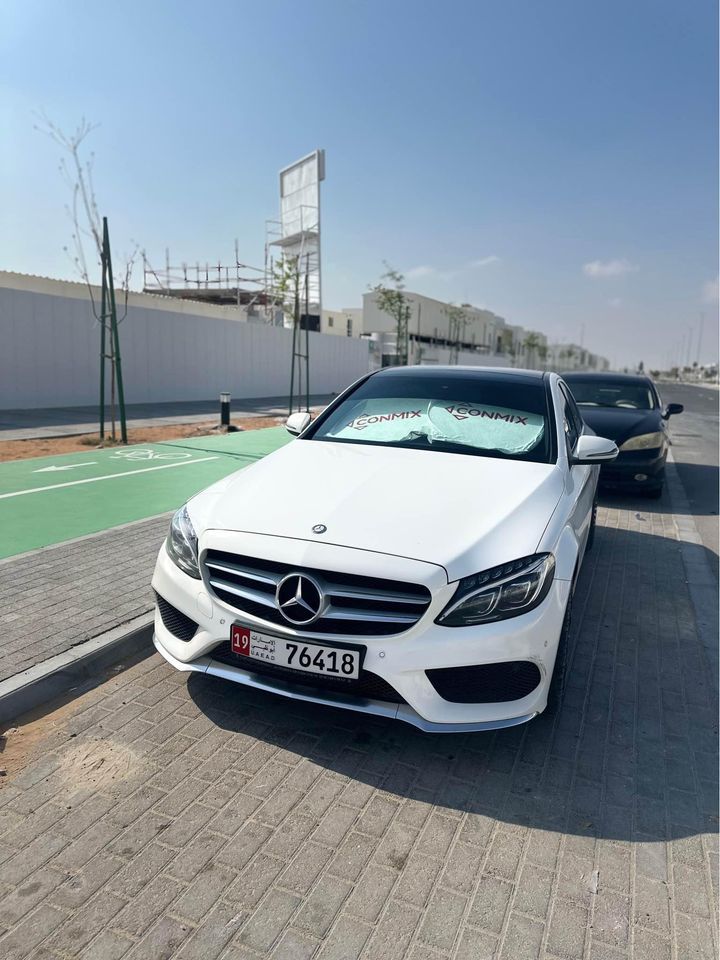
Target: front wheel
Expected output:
[559,677]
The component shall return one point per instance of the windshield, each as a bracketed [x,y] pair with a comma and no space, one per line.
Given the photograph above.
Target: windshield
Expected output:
[613,393]
[466,414]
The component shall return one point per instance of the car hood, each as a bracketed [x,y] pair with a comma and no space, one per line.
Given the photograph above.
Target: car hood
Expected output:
[618,424]
[464,513]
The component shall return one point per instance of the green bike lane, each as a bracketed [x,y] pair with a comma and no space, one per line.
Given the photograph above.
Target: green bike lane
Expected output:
[48,500]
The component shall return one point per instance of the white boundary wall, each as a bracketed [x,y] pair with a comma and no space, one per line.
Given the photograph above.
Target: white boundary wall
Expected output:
[171,350]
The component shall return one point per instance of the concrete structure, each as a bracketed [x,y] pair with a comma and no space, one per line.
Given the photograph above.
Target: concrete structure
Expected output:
[171,349]
[297,235]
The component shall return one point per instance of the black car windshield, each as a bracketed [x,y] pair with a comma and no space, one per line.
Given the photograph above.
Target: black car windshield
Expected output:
[446,412]
[629,395]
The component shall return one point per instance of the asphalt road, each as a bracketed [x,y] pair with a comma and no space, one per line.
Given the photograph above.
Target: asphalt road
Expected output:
[695,449]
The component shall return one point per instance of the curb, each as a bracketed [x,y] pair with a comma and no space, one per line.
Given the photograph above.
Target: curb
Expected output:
[45,681]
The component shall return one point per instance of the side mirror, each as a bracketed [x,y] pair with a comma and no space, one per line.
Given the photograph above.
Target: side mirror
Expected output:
[592,450]
[671,409]
[297,422]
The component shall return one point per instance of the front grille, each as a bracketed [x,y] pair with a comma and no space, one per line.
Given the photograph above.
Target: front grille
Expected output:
[355,605]
[487,683]
[369,685]
[177,623]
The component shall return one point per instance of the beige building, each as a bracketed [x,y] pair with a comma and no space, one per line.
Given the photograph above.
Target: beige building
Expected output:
[570,356]
[343,323]
[441,332]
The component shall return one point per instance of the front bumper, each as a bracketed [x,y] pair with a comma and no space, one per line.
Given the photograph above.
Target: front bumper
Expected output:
[400,660]
[635,469]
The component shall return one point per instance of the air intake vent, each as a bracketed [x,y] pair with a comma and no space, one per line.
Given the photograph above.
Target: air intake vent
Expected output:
[487,683]
[177,623]
[355,606]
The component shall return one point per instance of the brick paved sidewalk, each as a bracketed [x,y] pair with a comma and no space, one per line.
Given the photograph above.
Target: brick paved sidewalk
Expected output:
[171,817]
[55,598]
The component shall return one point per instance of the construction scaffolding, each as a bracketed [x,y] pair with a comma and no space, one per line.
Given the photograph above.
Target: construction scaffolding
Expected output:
[286,290]
[237,283]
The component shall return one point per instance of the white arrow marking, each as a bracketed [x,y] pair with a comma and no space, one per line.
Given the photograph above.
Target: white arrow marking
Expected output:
[110,476]
[70,466]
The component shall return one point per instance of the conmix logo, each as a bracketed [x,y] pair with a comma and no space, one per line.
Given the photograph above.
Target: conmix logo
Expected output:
[462,413]
[359,423]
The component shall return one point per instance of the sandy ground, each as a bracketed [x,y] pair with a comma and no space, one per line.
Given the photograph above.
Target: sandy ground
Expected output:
[24,449]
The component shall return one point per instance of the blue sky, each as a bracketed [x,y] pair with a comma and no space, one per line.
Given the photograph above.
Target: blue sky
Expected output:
[555,162]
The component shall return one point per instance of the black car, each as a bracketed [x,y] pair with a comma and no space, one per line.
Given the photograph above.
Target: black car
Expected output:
[627,409]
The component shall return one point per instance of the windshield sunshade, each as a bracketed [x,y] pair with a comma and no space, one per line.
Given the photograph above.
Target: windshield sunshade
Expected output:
[483,426]
[447,413]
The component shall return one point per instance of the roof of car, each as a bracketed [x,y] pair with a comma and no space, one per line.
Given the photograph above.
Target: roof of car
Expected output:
[494,373]
[592,375]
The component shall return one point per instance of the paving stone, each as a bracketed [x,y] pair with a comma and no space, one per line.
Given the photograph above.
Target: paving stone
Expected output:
[319,909]
[84,924]
[523,940]
[442,918]
[16,944]
[568,928]
[394,931]
[346,940]
[140,541]
[161,942]
[257,827]
[269,920]
[490,904]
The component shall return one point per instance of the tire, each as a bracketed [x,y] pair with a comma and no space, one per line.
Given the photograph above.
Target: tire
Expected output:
[593,521]
[559,677]
[654,493]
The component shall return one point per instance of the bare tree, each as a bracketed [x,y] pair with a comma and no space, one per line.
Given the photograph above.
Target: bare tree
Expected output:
[77,172]
[88,240]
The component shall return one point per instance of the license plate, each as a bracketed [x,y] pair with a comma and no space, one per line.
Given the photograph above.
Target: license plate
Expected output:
[296,654]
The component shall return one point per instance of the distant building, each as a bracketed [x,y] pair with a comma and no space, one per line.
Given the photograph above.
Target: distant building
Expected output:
[343,323]
[481,337]
[570,356]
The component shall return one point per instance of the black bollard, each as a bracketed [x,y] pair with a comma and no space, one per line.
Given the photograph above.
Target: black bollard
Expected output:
[225,410]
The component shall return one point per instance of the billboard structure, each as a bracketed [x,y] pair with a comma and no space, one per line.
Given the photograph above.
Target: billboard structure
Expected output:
[297,233]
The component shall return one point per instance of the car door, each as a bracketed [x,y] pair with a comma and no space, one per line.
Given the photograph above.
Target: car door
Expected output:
[581,478]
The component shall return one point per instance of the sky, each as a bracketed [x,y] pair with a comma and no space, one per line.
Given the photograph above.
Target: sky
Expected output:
[553,162]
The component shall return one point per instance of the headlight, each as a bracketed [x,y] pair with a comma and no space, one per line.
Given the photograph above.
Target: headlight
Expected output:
[645,441]
[501,592]
[182,543]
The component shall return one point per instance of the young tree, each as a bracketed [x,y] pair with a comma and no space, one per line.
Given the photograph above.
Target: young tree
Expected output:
[458,320]
[531,345]
[77,172]
[89,228]
[286,283]
[392,300]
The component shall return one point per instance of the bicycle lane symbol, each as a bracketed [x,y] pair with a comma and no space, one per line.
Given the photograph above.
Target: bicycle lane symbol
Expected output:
[147,453]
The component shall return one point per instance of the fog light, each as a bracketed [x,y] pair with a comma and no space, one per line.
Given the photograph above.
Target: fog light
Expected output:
[641,476]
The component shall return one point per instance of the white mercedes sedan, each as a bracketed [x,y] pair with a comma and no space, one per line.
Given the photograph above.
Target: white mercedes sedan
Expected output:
[411,553]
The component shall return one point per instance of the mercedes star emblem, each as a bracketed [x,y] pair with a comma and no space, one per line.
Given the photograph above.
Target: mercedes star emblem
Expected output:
[299,598]
[319,528]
